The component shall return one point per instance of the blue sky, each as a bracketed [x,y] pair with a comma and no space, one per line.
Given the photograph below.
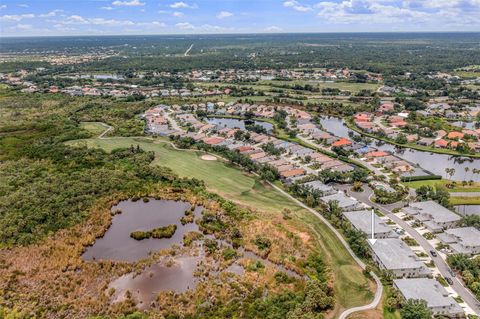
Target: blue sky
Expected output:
[98,17]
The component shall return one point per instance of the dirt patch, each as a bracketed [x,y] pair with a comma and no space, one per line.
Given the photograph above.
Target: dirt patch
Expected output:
[208,157]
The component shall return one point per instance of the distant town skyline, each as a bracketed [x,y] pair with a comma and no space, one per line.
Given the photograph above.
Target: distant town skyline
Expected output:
[122,17]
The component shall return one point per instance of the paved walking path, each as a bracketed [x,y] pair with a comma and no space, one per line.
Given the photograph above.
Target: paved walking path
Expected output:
[108,129]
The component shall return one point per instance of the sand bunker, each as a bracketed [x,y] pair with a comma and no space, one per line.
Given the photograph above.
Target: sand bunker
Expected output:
[207,157]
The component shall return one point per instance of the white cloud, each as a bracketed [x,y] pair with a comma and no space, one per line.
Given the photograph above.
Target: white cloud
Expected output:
[23,5]
[182,5]
[16,17]
[272,29]
[224,14]
[50,14]
[131,3]
[409,14]
[24,26]
[106,8]
[296,6]
[185,26]
[79,20]
[178,14]
[3,6]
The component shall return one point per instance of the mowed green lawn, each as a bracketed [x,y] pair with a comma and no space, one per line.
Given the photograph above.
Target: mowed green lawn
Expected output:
[232,183]
[475,187]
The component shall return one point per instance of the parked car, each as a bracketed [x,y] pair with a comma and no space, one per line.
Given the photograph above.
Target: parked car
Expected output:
[452,273]
[449,280]
[434,253]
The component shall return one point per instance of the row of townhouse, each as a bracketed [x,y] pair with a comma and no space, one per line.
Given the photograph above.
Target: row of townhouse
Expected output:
[411,274]
[445,223]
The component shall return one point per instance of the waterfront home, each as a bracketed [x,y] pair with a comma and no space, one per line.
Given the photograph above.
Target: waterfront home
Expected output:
[341,142]
[307,128]
[394,255]
[435,295]
[372,156]
[434,216]
[362,221]
[464,240]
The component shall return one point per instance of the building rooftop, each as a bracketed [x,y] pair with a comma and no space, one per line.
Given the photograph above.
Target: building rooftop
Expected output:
[362,220]
[342,199]
[429,290]
[319,186]
[395,254]
[467,236]
[438,213]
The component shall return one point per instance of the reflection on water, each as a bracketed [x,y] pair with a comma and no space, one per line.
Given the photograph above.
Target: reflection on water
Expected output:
[117,244]
[236,123]
[435,163]
[144,287]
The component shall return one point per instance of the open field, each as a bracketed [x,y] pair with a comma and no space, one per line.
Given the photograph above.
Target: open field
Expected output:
[233,184]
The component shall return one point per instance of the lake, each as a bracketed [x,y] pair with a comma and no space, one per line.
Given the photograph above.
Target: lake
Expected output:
[178,277]
[117,244]
[432,162]
[236,123]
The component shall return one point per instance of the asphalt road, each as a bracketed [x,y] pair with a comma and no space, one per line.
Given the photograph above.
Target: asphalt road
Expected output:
[442,266]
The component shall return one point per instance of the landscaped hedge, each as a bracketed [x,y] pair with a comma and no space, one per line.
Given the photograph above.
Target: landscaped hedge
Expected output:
[420,178]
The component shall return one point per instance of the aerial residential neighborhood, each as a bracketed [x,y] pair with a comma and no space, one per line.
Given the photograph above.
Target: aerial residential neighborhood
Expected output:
[291,159]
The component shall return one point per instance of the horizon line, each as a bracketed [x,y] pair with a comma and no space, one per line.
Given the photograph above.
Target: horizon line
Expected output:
[233,33]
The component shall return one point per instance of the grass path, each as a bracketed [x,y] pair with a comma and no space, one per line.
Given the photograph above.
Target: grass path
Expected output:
[351,286]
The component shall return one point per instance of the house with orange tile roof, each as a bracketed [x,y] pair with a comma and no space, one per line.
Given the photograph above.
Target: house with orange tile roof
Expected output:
[258,155]
[213,140]
[362,117]
[293,172]
[243,149]
[441,143]
[342,142]
[376,154]
[455,135]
